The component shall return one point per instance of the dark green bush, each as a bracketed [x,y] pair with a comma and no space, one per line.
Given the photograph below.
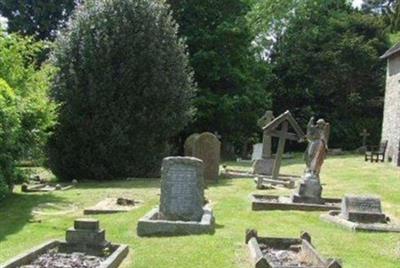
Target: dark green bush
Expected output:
[124,86]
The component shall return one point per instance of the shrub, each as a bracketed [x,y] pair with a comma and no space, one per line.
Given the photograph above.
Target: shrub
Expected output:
[30,83]
[9,126]
[124,87]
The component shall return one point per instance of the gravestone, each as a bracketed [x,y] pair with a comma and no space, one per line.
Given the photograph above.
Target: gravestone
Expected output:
[207,147]
[182,192]
[363,209]
[257,152]
[189,144]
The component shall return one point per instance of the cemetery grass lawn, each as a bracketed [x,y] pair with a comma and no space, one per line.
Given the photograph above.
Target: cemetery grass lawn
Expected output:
[20,230]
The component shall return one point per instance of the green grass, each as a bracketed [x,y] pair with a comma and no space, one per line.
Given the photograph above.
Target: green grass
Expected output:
[20,230]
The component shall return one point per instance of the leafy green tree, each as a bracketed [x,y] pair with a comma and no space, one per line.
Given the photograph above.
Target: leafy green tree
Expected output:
[9,126]
[40,17]
[232,81]
[36,112]
[388,9]
[327,64]
[124,87]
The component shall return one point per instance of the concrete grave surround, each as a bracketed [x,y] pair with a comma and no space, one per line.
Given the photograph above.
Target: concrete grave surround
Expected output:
[301,248]
[361,213]
[181,209]
[391,115]
[85,237]
[207,147]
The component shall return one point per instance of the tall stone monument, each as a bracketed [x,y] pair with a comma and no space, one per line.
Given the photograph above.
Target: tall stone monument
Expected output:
[182,192]
[317,135]
[207,147]
[264,165]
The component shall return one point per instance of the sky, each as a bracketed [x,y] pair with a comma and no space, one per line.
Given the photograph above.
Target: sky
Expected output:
[357,3]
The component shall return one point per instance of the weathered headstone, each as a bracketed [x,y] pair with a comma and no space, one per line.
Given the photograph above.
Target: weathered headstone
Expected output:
[182,192]
[267,141]
[207,147]
[364,209]
[257,152]
[189,144]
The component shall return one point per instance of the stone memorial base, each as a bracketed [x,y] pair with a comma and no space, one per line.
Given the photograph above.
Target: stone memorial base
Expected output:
[152,225]
[335,218]
[85,239]
[263,166]
[309,191]
[274,202]
[272,252]
[110,206]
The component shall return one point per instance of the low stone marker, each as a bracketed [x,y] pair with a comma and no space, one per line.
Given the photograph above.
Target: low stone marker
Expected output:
[182,209]
[274,252]
[85,246]
[361,213]
[113,205]
[43,187]
[207,147]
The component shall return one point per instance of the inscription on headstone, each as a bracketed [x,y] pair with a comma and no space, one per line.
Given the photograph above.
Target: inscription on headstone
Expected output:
[182,192]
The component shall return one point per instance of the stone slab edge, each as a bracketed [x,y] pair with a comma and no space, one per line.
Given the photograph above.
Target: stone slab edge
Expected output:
[148,227]
[30,255]
[113,261]
[377,227]
[258,205]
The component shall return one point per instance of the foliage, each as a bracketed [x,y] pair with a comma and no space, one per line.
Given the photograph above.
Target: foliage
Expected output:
[327,64]
[40,18]
[231,80]
[31,84]
[388,9]
[26,113]
[124,87]
[9,126]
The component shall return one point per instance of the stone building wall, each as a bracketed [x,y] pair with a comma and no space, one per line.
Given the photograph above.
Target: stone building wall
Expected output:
[391,117]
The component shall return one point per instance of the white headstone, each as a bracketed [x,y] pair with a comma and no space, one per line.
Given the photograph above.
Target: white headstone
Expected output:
[257,151]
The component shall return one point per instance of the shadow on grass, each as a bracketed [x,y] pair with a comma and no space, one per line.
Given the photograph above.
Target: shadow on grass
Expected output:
[16,211]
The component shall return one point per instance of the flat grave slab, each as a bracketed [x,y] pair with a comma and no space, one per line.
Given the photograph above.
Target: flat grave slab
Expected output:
[153,224]
[85,243]
[44,187]
[273,252]
[275,202]
[361,213]
[113,205]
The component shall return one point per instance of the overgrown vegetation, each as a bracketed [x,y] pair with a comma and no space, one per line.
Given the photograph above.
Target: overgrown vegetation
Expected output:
[125,89]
